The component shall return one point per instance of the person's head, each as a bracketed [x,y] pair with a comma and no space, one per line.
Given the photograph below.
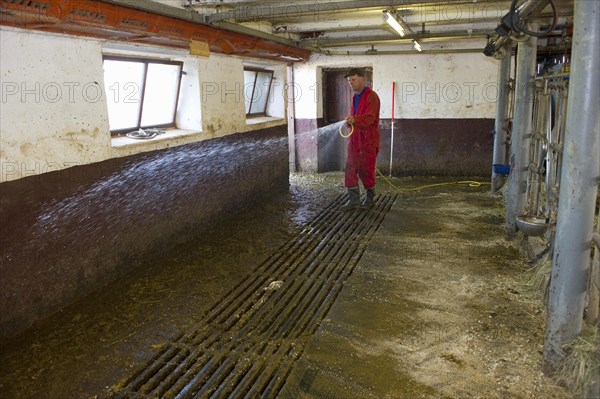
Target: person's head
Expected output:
[356,79]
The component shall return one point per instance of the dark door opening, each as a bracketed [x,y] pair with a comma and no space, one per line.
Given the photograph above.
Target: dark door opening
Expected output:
[337,97]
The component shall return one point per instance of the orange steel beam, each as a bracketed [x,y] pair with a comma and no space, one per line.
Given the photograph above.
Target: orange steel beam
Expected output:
[120,23]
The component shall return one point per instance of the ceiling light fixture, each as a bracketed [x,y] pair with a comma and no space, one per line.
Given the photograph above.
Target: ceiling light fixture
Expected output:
[393,22]
[417,45]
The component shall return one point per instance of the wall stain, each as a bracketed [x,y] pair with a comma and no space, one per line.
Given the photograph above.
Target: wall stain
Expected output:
[215,127]
[26,149]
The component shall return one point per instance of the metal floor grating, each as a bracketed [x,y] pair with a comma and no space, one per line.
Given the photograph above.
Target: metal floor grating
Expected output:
[246,345]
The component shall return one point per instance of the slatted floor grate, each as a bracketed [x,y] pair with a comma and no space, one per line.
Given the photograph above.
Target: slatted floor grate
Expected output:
[246,345]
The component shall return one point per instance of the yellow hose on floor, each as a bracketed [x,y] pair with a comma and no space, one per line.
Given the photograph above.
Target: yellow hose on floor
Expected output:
[471,183]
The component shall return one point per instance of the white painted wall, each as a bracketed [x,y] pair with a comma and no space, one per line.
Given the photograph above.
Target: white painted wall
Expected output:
[189,111]
[222,82]
[53,103]
[53,109]
[308,93]
[223,95]
[461,85]
[54,112]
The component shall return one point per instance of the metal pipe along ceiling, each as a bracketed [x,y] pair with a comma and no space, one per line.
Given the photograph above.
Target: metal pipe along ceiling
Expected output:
[243,13]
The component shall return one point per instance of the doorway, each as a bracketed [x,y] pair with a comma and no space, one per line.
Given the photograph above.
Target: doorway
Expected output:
[337,97]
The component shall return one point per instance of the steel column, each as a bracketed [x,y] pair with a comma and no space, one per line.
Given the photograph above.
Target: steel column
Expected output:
[579,186]
[499,157]
[291,116]
[521,132]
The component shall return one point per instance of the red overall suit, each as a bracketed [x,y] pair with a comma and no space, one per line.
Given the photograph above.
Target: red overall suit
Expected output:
[363,144]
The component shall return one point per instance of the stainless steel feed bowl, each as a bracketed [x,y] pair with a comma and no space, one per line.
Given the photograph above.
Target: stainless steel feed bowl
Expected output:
[532,225]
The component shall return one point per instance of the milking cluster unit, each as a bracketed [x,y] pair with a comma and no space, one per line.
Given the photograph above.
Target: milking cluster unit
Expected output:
[550,98]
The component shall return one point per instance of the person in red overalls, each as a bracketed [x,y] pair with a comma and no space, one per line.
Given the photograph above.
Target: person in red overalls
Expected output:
[363,144]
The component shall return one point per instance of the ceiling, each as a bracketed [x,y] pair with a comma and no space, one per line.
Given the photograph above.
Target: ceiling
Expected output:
[290,31]
[358,26]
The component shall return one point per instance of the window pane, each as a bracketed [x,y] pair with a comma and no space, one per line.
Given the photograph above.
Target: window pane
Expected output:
[261,92]
[160,97]
[123,83]
[248,86]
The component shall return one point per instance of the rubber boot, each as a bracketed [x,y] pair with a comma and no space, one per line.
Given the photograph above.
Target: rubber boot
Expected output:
[353,199]
[369,200]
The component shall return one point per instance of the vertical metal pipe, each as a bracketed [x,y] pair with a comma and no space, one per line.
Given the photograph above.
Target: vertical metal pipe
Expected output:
[291,103]
[499,156]
[521,132]
[392,132]
[537,152]
[578,190]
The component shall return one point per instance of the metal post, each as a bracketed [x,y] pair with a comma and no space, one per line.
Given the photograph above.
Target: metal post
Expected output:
[291,114]
[499,157]
[579,185]
[392,132]
[521,132]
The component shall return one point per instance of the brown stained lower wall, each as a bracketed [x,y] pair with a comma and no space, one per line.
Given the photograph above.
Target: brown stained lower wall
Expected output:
[440,147]
[68,232]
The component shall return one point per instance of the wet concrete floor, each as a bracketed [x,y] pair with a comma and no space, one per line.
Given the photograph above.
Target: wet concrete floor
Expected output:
[438,306]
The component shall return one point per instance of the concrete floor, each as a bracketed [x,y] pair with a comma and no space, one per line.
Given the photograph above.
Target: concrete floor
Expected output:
[438,306]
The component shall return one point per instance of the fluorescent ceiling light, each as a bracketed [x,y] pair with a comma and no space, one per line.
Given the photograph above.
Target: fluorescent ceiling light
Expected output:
[393,22]
[417,45]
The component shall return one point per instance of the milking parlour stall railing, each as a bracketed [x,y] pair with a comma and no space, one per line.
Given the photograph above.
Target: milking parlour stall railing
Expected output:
[549,124]
[545,154]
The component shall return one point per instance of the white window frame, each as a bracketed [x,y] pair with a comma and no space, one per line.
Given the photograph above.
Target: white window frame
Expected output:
[146,62]
[261,112]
